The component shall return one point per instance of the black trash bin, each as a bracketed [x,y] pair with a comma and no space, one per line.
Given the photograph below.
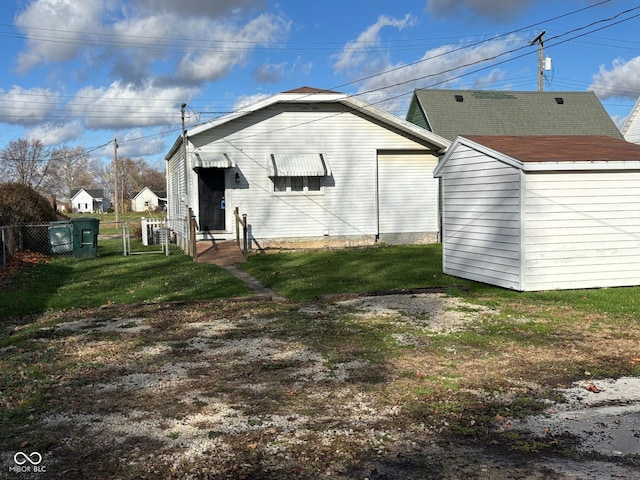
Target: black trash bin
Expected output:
[85,237]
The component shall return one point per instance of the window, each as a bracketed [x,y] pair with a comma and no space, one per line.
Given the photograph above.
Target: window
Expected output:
[297,184]
[298,173]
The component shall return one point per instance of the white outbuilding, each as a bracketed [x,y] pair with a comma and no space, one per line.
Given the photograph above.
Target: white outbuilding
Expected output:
[308,167]
[535,213]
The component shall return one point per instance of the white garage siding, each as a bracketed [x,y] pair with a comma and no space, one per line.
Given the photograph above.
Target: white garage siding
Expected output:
[582,230]
[349,143]
[481,220]
[407,195]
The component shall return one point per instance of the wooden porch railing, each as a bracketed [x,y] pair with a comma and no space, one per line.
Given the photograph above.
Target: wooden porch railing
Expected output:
[241,220]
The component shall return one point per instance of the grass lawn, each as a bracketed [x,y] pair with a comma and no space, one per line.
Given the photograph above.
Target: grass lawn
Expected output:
[305,275]
[111,278]
[308,388]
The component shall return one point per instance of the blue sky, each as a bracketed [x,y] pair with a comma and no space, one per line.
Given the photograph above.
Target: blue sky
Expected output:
[81,73]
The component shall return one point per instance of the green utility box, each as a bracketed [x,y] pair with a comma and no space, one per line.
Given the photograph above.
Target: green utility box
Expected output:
[85,237]
[61,238]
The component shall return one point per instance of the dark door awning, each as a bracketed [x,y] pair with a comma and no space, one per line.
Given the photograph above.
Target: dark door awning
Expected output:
[204,159]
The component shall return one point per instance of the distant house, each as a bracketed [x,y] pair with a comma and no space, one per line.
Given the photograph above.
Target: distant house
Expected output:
[147,200]
[542,212]
[450,113]
[88,201]
[308,167]
[631,128]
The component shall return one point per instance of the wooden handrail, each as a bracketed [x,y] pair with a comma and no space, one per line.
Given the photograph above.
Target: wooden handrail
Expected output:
[241,221]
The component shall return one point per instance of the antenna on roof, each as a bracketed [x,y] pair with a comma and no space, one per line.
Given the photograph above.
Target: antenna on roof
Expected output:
[540,41]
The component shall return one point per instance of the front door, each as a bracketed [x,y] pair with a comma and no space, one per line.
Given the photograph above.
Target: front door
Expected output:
[211,192]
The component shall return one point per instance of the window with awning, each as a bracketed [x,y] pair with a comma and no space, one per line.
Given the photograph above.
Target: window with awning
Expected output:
[298,165]
[204,159]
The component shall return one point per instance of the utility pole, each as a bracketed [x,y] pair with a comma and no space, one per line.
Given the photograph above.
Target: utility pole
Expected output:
[115,174]
[540,41]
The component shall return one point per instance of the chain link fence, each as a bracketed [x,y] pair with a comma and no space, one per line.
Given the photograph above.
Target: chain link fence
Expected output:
[62,239]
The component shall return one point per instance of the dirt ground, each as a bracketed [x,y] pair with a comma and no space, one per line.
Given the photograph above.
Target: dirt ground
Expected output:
[383,387]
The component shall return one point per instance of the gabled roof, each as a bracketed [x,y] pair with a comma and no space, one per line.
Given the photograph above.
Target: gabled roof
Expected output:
[308,95]
[631,128]
[97,194]
[143,189]
[484,112]
[552,152]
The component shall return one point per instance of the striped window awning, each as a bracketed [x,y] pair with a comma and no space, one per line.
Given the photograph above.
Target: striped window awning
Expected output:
[298,165]
[204,159]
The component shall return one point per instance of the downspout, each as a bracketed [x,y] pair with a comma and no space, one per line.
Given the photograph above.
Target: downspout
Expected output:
[377,197]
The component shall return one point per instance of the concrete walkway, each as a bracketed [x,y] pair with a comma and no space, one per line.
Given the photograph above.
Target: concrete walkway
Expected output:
[227,255]
[252,282]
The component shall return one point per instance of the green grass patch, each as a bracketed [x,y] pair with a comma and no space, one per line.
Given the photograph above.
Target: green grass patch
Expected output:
[67,283]
[303,275]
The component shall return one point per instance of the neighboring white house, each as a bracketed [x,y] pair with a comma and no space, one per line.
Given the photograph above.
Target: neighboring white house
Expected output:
[308,167]
[542,212]
[88,201]
[631,128]
[147,200]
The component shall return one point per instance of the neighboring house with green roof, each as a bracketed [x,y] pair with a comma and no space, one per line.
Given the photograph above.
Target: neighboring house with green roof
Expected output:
[450,113]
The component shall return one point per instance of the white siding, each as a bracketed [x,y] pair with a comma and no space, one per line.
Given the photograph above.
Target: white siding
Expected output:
[408,193]
[176,189]
[349,143]
[582,230]
[481,219]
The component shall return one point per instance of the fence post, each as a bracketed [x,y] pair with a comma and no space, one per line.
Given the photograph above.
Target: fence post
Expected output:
[192,236]
[124,239]
[236,213]
[245,245]
[4,257]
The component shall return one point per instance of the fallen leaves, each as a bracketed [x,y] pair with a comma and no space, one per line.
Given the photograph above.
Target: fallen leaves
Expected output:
[20,259]
[593,388]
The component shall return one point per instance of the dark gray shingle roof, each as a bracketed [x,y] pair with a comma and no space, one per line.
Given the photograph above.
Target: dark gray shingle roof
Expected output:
[449,113]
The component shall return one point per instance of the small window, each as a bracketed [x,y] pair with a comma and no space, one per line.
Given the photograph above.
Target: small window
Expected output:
[314,184]
[279,184]
[297,185]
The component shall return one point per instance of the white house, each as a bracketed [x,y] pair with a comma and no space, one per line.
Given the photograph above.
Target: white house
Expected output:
[631,128]
[88,201]
[308,167]
[542,212]
[147,200]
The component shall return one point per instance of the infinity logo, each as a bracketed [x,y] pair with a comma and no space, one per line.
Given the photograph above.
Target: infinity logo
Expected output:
[34,458]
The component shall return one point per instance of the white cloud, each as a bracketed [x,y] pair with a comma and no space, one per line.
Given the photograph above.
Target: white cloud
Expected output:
[150,36]
[52,134]
[57,29]
[229,46]
[21,106]
[440,67]
[622,80]
[248,100]
[364,52]
[123,105]
[137,144]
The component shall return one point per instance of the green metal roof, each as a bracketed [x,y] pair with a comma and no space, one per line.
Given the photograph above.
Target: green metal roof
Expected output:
[450,113]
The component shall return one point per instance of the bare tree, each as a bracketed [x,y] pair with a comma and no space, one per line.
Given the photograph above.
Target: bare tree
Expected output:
[26,162]
[70,169]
